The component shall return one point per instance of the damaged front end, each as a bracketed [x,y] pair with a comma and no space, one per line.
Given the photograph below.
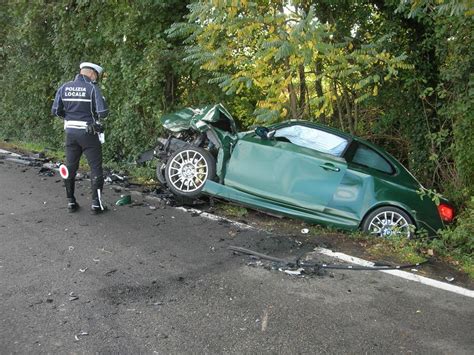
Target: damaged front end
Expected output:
[210,128]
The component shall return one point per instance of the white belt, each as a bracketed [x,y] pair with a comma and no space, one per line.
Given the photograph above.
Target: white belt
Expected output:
[75,124]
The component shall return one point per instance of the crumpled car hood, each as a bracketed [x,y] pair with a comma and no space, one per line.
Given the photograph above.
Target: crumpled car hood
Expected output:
[197,119]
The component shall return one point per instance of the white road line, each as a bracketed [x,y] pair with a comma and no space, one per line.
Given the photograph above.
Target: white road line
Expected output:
[213,217]
[2,151]
[399,273]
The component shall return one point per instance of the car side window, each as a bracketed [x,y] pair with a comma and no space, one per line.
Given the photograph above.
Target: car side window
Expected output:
[368,157]
[313,138]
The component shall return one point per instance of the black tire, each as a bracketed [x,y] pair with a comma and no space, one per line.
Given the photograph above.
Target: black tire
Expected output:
[187,171]
[388,221]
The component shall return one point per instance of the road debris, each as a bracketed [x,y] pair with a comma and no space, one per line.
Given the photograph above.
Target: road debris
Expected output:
[264,320]
[81,334]
[296,272]
[305,231]
[83,270]
[73,297]
[111,272]
[124,200]
[449,279]
[44,171]
[311,267]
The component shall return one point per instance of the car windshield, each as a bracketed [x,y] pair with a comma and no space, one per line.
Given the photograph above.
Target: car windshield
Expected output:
[314,138]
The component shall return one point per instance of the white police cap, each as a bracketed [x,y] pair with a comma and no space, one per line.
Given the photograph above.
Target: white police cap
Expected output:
[89,65]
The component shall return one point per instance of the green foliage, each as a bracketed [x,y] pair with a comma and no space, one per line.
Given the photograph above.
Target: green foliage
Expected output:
[42,44]
[458,240]
[280,53]
[456,243]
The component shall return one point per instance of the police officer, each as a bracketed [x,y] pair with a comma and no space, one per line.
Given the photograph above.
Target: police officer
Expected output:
[81,104]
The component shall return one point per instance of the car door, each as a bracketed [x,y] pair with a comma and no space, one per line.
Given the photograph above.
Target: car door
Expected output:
[284,172]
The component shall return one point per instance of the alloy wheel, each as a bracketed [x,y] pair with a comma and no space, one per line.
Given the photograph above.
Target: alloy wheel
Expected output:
[188,171]
[388,224]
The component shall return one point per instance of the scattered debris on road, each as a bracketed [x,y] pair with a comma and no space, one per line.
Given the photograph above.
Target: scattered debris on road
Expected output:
[44,171]
[298,266]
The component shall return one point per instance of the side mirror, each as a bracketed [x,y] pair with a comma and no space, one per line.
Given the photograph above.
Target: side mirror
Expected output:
[262,132]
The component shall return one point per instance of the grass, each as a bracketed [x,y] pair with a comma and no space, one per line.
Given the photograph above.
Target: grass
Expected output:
[231,210]
[27,147]
[55,155]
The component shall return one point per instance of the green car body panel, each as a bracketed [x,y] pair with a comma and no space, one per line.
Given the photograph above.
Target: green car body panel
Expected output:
[300,182]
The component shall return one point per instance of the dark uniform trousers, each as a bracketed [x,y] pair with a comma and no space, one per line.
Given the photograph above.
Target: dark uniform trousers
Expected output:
[78,141]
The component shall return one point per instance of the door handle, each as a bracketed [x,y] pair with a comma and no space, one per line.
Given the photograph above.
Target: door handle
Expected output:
[330,167]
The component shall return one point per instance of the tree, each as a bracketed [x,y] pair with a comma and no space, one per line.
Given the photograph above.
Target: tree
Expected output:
[299,64]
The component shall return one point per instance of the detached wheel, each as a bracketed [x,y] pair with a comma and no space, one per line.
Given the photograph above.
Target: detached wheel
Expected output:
[387,222]
[188,170]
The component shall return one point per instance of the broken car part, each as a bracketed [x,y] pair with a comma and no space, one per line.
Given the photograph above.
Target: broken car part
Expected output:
[298,263]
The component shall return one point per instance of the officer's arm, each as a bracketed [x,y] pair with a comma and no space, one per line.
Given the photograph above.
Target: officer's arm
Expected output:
[58,106]
[100,105]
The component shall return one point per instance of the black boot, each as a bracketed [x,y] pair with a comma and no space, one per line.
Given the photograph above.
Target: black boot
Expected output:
[97,183]
[72,205]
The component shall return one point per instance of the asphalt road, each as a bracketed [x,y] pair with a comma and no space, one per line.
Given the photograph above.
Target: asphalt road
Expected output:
[145,280]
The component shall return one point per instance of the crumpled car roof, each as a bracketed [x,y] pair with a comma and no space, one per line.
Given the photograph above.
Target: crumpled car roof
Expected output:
[196,118]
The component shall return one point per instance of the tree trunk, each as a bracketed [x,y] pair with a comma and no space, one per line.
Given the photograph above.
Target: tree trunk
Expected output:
[302,102]
[319,88]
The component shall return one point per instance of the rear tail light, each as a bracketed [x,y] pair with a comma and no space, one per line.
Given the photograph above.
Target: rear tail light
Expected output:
[446,212]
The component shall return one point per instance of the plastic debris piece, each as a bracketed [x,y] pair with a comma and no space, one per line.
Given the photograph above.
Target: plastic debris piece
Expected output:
[449,279]
[71,248]
[81,334]
[124,200]
[296,272]
[46,172]
[108,273]
[73,297]
[305,231]
[83,270]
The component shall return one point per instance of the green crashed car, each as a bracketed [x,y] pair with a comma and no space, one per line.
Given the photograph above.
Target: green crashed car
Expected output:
[295,168]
